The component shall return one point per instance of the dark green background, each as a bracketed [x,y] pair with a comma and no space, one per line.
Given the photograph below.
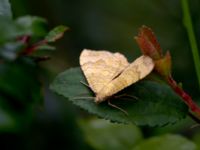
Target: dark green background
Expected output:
[100,24]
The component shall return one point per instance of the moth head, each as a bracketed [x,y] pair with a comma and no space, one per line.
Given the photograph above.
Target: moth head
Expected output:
[100,98]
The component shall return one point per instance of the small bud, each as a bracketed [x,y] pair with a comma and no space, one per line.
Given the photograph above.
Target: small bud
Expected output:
[148,43]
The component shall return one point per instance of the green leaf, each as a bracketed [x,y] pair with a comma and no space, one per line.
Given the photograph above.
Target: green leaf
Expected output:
[56,33]
[46,47]
[32,25]
[166,142]
[196,139]
[157,104]
[103,135]
[5,9]
[9,30]
[10,50]
[27,25]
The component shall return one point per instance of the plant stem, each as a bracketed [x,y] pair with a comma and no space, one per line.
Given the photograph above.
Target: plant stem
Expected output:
[186,98]
[24,39]
[189,27]
[33,47]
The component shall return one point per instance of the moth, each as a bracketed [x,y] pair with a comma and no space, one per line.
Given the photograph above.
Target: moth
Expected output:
[108,73]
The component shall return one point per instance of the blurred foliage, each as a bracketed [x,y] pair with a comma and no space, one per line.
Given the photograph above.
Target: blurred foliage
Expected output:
[5,9]
[24,120]
[196,139]
[103,135]
[111,136]
[110,25]
[166,142]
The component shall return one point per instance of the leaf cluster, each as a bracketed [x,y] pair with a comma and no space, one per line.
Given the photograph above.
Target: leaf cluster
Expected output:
[20,87]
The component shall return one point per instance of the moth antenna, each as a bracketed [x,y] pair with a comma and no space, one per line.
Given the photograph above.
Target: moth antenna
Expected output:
[115,106]
[85,84]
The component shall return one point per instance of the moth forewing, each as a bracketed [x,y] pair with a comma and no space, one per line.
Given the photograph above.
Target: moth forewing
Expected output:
[136,71]
[100,67]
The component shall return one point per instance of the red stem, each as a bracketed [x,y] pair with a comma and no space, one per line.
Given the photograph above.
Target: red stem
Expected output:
[32,48]
[186,98]
[24,39]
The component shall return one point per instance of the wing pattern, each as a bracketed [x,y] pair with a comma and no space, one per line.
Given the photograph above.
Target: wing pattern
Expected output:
[100,67]
[108,73]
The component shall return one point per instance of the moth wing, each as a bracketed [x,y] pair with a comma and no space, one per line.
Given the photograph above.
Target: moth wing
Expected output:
[100,67]
[136,71]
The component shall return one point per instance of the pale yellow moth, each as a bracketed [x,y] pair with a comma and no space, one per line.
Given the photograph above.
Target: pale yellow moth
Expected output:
[108,73]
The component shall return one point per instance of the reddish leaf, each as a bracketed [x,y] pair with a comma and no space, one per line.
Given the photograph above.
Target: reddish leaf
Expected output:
[148,43]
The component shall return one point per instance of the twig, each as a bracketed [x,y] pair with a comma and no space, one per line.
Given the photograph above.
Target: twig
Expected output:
[32,48]
[186,98]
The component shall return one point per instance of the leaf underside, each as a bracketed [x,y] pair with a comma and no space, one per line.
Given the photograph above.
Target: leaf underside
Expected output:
[155,104]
